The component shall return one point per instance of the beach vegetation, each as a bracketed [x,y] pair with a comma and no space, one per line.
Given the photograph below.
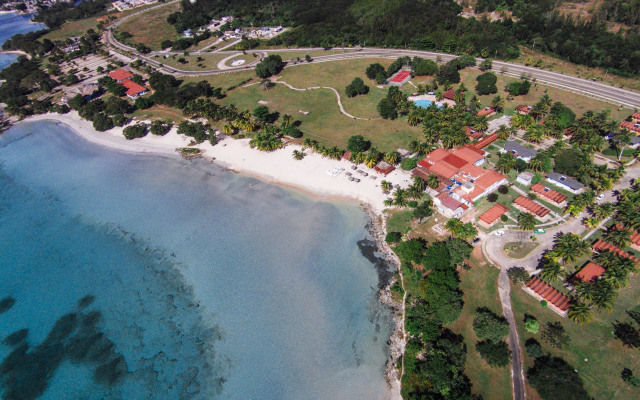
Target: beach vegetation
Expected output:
[393,237]
[119,120]
[102,122]
[135,131]
[196,130]
[160,128]
[266,142]
[299,155]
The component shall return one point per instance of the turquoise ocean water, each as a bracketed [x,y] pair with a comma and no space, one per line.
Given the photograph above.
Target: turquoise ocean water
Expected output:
[11,24]
[149,277]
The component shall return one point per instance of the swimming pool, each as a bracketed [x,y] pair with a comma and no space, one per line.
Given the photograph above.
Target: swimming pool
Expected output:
[424,103]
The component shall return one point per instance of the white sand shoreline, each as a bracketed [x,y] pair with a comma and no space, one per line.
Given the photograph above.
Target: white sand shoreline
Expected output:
[279,167]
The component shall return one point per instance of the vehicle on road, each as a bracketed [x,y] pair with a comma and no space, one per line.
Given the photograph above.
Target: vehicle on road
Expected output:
[539,231]
[499,233]
[600,197]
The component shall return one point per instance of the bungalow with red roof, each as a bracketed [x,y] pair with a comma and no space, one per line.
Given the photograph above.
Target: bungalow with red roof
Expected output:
[601,246]
[635,116]
[492,215]
[449,94]
[133,89]
[631,126]
[120,75]
[384,168]
[486,112]
[589,273]
[523,109]
[526,205]
[541,290]
[472,133]
[549,194]
[486,141]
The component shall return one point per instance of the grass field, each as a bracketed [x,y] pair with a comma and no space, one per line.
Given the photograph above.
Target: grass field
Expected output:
[159,112]
[325,122]
[209,61]
[593,351]
[151,28]
[480,287]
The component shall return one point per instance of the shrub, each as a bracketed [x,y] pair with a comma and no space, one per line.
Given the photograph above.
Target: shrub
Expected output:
[495,354]
[421,67]
[490,326]
[555,335]
[408,164]
[102,122]
[393,237]
[533,348]
[504,218]
[270,66]
[518,88]
[387,109]
[358,144]
[119,120]
[503,189]
[492,197]
[135,131]
[486,84]
[485,65]
[159,127]
[373,70]
[356,87]
[531,324]
[381,78]
[518,274]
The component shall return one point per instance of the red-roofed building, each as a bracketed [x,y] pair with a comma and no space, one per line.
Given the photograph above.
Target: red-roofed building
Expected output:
[486,112]
[635,116]
[454,160]
[449,206]
[472,133]
[470,154]
[384,168]
[601,246]
[133,89]
[120,75]
[486,141]
[444,169]
[491,216]
[631,126]
[590,272]
[526,205]
[346,156]
[449,94]
[541,290]
[524,110]
[549,194]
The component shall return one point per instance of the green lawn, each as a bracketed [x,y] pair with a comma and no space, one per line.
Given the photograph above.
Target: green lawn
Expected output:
[480,287]
[519,250]
[593,351]
[151,28]
[325,122]
[399,220]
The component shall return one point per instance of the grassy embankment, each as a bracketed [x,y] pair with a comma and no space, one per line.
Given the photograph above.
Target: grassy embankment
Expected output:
[593,351]
[151,28]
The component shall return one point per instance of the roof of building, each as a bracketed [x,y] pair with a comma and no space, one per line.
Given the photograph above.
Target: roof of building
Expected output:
[531,206]
[635,115]
[635,236]
[450,202]
[444,169]
[133,88]
[472,133]
[120,74]
[486,141]
[548,193]
[565,180]
[601,245]
[548,293]
[491,215]
[524,109]
[518,150]
[384,167]
[469,155]
[472,170]
[346,155]
[455,161]
[527,176]
[449,94]
[489,178]
[590,272]
[486,111]
[630,126]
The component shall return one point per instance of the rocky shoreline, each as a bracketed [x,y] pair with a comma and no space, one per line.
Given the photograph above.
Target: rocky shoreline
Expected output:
[397,341]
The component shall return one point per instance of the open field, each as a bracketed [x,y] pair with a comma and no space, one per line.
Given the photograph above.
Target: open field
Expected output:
[159,112]
[480,287]
[593,351]
[225,81]
[151,28]
[324,122]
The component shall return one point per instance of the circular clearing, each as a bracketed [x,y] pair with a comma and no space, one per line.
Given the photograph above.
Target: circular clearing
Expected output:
[237,63]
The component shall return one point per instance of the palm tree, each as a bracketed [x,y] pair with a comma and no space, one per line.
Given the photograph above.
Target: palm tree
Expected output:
[607,259]
[388,202]
[605,295]
[526,221]
[419,183]
[505,163]
[498,103]
[371,159]
[439,95]
[399,197]
[286,120]
[617,237]
[458,97]
[627,265]
[579,312]
[551,272]
[432,181]
[414,192]
[616,277]
[386,186]
[534,135]
[227,129]
[392,157]
[602,211]
[481,124]
[298,155]
[503,132]
[590,222]
[536,163]
[414,119]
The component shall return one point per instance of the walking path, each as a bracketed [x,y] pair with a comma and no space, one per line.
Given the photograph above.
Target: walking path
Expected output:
[342,110]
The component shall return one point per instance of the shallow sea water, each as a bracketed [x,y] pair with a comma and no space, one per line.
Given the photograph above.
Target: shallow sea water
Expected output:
[208,284]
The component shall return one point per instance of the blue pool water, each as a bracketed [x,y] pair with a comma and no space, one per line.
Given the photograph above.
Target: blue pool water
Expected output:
[204,284]
[423,103]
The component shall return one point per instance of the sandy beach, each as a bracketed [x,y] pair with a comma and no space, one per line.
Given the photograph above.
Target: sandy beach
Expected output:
[279,167]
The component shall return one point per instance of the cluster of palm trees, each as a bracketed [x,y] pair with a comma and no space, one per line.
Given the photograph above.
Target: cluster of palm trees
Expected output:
[401,197]
[266,142]
[580,202]
[567,248]
[600,212]
[461,230]
[334,153]
[526,221]
[628,208]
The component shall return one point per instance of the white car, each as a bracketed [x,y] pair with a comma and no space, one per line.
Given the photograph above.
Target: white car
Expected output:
[600,197]
[499,233]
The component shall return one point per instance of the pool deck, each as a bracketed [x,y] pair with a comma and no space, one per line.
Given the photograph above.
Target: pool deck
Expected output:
[431,98]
